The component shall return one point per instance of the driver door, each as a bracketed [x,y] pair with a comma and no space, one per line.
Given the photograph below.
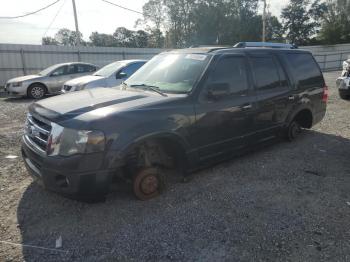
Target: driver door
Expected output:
[57,78]
[225,108]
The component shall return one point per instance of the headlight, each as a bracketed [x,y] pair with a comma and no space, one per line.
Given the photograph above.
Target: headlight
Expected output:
[66,141]
[16,84]
[80,87]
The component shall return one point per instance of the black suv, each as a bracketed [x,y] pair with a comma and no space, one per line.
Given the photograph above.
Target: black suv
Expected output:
[184,109]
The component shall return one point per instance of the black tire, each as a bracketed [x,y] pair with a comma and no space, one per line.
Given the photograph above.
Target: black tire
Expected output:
[293,131]
[147,183]
[345,97]
[36,91]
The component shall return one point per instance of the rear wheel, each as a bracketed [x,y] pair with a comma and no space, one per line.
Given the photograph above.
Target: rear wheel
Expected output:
[345,97]
[293,130]
[36,91]
[147,183]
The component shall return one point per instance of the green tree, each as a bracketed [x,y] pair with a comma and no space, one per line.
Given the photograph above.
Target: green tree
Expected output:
[97,39]
[49,41]
[301,20]
[67,37]
[335,22]
[124,37]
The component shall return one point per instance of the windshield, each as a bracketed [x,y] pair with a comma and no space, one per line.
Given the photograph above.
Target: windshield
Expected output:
[48,70]
[173,73]
[109,69]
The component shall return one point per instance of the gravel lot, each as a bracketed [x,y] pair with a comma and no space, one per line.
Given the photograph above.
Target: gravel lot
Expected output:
[284,202]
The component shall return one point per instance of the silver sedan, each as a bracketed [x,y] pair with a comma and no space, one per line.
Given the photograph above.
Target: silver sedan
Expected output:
[48,81]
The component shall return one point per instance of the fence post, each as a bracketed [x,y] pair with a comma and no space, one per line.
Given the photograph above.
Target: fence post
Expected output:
[79,55]
[341,61]
[123,55]
[23,60]
[324,62]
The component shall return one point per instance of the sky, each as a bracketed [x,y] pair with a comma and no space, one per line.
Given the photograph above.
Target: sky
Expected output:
[93,15]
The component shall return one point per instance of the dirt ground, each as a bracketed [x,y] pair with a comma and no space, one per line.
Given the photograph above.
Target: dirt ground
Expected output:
[284,202]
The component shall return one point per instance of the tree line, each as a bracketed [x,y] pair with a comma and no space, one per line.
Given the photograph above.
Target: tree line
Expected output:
[184,23]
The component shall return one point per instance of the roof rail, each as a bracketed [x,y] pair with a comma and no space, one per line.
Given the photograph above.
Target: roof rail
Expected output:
[264,45]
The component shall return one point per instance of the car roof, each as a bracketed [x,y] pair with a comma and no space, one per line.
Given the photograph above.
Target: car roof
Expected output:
[73,63]
[216,50]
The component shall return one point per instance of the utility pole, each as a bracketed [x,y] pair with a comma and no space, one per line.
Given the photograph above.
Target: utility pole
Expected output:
[76,23]
[264,23]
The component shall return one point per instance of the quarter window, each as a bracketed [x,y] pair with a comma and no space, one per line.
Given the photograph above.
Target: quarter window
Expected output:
[231,71]
[305,70]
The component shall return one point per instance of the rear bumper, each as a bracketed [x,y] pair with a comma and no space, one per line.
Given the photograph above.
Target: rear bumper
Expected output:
[79,176]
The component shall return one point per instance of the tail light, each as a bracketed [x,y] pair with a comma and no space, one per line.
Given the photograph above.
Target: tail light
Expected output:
[325,94]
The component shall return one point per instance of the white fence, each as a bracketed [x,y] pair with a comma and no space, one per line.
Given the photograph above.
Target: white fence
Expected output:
[17,60]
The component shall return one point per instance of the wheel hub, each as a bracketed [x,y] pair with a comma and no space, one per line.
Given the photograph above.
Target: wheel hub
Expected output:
[149,184]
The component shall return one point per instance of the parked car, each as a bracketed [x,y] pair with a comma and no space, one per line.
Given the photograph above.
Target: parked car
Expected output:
[48,81]
[108,76]
[343,82]
[184,109]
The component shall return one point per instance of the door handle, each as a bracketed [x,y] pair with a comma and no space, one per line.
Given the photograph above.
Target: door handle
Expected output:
[247,107]
[291,98]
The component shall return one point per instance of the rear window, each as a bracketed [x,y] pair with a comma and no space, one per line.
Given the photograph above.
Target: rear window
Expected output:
[305,70]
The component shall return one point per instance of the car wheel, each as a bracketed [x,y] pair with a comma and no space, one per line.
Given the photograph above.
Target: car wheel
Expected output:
[345,97]
[36,91]
[293,130]
[147,183]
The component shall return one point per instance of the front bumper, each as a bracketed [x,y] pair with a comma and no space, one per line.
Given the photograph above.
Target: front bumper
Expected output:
[78,176]
[16,91]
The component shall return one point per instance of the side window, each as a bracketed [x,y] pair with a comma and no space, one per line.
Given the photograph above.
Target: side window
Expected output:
[71,69]
[305,70]
[265,73]
[60,71]
[82,68]
[231,72]
[131,69]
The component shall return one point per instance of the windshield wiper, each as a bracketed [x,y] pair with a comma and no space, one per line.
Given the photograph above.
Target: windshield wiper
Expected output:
[150,87]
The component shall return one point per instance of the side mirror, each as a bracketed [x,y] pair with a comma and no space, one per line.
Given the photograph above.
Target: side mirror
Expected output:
[121,75]
[218,90]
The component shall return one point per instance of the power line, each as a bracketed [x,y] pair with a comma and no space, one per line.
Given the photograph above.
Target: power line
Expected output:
[123,7]
[31,13]
[53,20]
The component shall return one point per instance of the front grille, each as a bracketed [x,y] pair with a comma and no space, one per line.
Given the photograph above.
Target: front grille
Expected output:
[37,131]
[67,88]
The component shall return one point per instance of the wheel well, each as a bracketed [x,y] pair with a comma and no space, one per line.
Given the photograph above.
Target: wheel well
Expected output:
[163,151]
[304,118]
[39,84]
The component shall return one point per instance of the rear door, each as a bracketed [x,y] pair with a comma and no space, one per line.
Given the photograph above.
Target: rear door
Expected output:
[224,123]
[273,94]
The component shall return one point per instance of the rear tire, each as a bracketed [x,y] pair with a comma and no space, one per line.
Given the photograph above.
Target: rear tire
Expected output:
[36,91]
[147,183]
[293,131]
[344,97]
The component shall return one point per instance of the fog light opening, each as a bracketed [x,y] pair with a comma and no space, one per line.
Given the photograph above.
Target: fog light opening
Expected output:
[62,181]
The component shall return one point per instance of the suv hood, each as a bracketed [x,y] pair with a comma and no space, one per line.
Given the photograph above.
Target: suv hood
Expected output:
[24,78]
[71,105]
[83,80]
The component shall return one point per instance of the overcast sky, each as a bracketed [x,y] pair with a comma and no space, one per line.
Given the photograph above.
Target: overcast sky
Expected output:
[93,15]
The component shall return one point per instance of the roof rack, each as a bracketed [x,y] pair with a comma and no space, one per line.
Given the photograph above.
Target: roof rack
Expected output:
[264,45]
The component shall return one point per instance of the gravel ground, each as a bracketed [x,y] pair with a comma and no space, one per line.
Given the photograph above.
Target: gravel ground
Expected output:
[284,202]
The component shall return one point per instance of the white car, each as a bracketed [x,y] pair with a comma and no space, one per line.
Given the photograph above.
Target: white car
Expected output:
[108,76]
